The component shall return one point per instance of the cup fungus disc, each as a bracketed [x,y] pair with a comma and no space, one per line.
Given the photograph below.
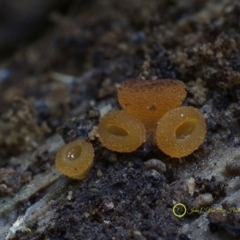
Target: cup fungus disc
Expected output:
[181,131]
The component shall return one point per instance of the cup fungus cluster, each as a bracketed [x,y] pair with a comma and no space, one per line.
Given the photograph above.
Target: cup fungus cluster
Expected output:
[178,130]
[148,106]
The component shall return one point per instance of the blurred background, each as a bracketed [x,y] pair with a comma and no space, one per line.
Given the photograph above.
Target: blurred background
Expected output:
[24,21]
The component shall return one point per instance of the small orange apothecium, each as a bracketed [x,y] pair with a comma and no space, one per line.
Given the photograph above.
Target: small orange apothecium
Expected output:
[121,132]
[181,131]
[150,100]
[75,159]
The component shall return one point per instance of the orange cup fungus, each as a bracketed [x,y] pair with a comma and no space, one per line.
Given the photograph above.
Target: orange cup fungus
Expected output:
[181,131]
[150,100]
[121,132]
[152,104]
[75,159]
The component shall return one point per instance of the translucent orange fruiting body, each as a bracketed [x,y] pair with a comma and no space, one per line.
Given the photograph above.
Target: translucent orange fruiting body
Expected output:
[121,132]
[75,159]
[150,100]
[181,131]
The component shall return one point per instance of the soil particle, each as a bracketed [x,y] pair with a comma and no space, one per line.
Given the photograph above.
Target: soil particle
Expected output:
[156,164]
[19,130]
[230,222]
[203,200]
[216,188]
[75,129]
[11,180]
[233,166]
